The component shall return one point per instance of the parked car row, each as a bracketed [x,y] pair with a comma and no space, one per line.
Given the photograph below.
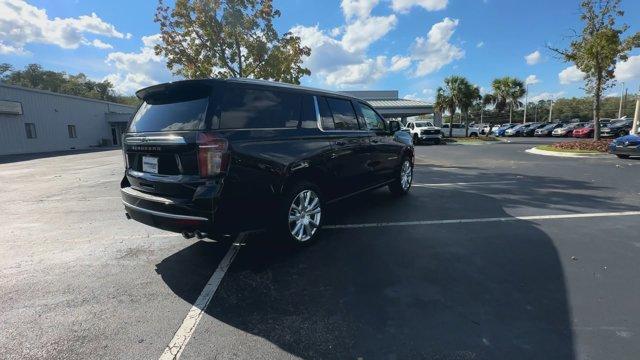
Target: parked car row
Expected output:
[609,128]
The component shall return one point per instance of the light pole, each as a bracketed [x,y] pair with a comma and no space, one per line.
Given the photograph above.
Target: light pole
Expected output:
[526,100]
[636,116]
[621,96]
[550,109]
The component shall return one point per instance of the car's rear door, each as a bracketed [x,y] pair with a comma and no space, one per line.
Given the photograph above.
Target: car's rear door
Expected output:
[384,150]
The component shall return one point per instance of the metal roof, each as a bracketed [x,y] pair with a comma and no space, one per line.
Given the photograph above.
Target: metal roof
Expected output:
[399,103]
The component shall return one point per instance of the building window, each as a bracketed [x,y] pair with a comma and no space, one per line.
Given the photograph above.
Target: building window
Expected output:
[31,130]
[72,131]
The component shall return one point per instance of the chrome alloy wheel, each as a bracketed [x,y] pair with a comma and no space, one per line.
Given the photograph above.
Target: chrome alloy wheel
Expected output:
[304,215]
[406,175]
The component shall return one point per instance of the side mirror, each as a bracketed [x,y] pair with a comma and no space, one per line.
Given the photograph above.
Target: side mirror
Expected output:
[394,126]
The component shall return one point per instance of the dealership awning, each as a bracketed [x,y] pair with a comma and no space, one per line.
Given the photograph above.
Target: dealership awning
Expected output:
[389,105]
[400,108]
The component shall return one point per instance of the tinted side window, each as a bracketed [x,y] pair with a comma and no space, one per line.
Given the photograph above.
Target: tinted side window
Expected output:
[373,121]
[325,114]
[344,117]
[249,108]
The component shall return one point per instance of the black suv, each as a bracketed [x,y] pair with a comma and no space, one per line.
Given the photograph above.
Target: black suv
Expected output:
[212,157]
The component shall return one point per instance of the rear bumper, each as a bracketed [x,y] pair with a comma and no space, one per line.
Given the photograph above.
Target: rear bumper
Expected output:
[176,215]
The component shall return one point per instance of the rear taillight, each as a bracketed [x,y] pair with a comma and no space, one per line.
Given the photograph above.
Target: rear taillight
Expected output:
[213,158]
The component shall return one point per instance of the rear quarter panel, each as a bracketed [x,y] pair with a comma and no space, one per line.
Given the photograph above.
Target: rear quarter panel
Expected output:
[263,160]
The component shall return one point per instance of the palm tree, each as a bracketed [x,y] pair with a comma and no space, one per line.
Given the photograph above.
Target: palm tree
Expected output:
[449,97]
[470,95]
[507,92]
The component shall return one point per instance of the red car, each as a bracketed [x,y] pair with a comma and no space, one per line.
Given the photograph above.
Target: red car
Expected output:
[583,132]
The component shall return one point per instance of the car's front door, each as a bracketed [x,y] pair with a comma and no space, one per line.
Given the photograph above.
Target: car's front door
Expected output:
[384,150]
[350,145]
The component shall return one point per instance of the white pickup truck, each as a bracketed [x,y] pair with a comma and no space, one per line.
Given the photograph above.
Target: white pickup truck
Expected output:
[459,130]
[423,131]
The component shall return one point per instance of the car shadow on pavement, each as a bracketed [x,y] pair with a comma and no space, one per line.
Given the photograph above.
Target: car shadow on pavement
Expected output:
[465,291]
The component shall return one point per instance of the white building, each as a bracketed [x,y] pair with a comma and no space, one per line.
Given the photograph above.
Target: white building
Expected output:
[33,121]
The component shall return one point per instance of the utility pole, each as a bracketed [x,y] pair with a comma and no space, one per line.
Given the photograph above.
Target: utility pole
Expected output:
[620,107]
[636,116]
[550,110]
[526,100]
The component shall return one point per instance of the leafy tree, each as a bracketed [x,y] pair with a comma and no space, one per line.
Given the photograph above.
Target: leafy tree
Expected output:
[228,38]
[599,47]
[34,76]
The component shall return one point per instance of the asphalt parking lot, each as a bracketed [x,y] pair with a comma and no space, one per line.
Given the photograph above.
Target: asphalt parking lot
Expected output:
[495,254]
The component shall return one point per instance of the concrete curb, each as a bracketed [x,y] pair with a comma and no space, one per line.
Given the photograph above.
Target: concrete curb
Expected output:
[537,151]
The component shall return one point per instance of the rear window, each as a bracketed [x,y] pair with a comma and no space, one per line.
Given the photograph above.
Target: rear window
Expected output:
[170,114]
[255,109]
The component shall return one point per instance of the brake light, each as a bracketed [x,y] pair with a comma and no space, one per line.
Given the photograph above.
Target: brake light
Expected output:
[213,158]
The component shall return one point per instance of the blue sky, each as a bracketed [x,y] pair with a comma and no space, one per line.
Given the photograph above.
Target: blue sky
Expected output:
[409,45]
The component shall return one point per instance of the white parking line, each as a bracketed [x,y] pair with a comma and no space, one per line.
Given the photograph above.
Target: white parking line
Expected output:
[463,183]
[185,331]
[496,219]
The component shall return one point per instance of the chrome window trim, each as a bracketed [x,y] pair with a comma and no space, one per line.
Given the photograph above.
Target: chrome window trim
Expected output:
[163,214]
[155,140]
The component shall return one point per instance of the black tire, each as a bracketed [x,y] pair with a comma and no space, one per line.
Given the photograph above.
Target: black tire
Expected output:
[622,156]
[397,187]
[285,228]
[473,135]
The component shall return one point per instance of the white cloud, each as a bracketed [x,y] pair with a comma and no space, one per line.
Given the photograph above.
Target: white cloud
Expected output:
[480,44]
[403,6]
[533,58]
[22,23]
[358,8]
[338,56]
[363,32]
[570,75]
[101,45]
[136,70]
[428,95]
[400,63]
[436,51]
[629,69]
[8,50]
[367,71]
[547,96]
[532,79]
